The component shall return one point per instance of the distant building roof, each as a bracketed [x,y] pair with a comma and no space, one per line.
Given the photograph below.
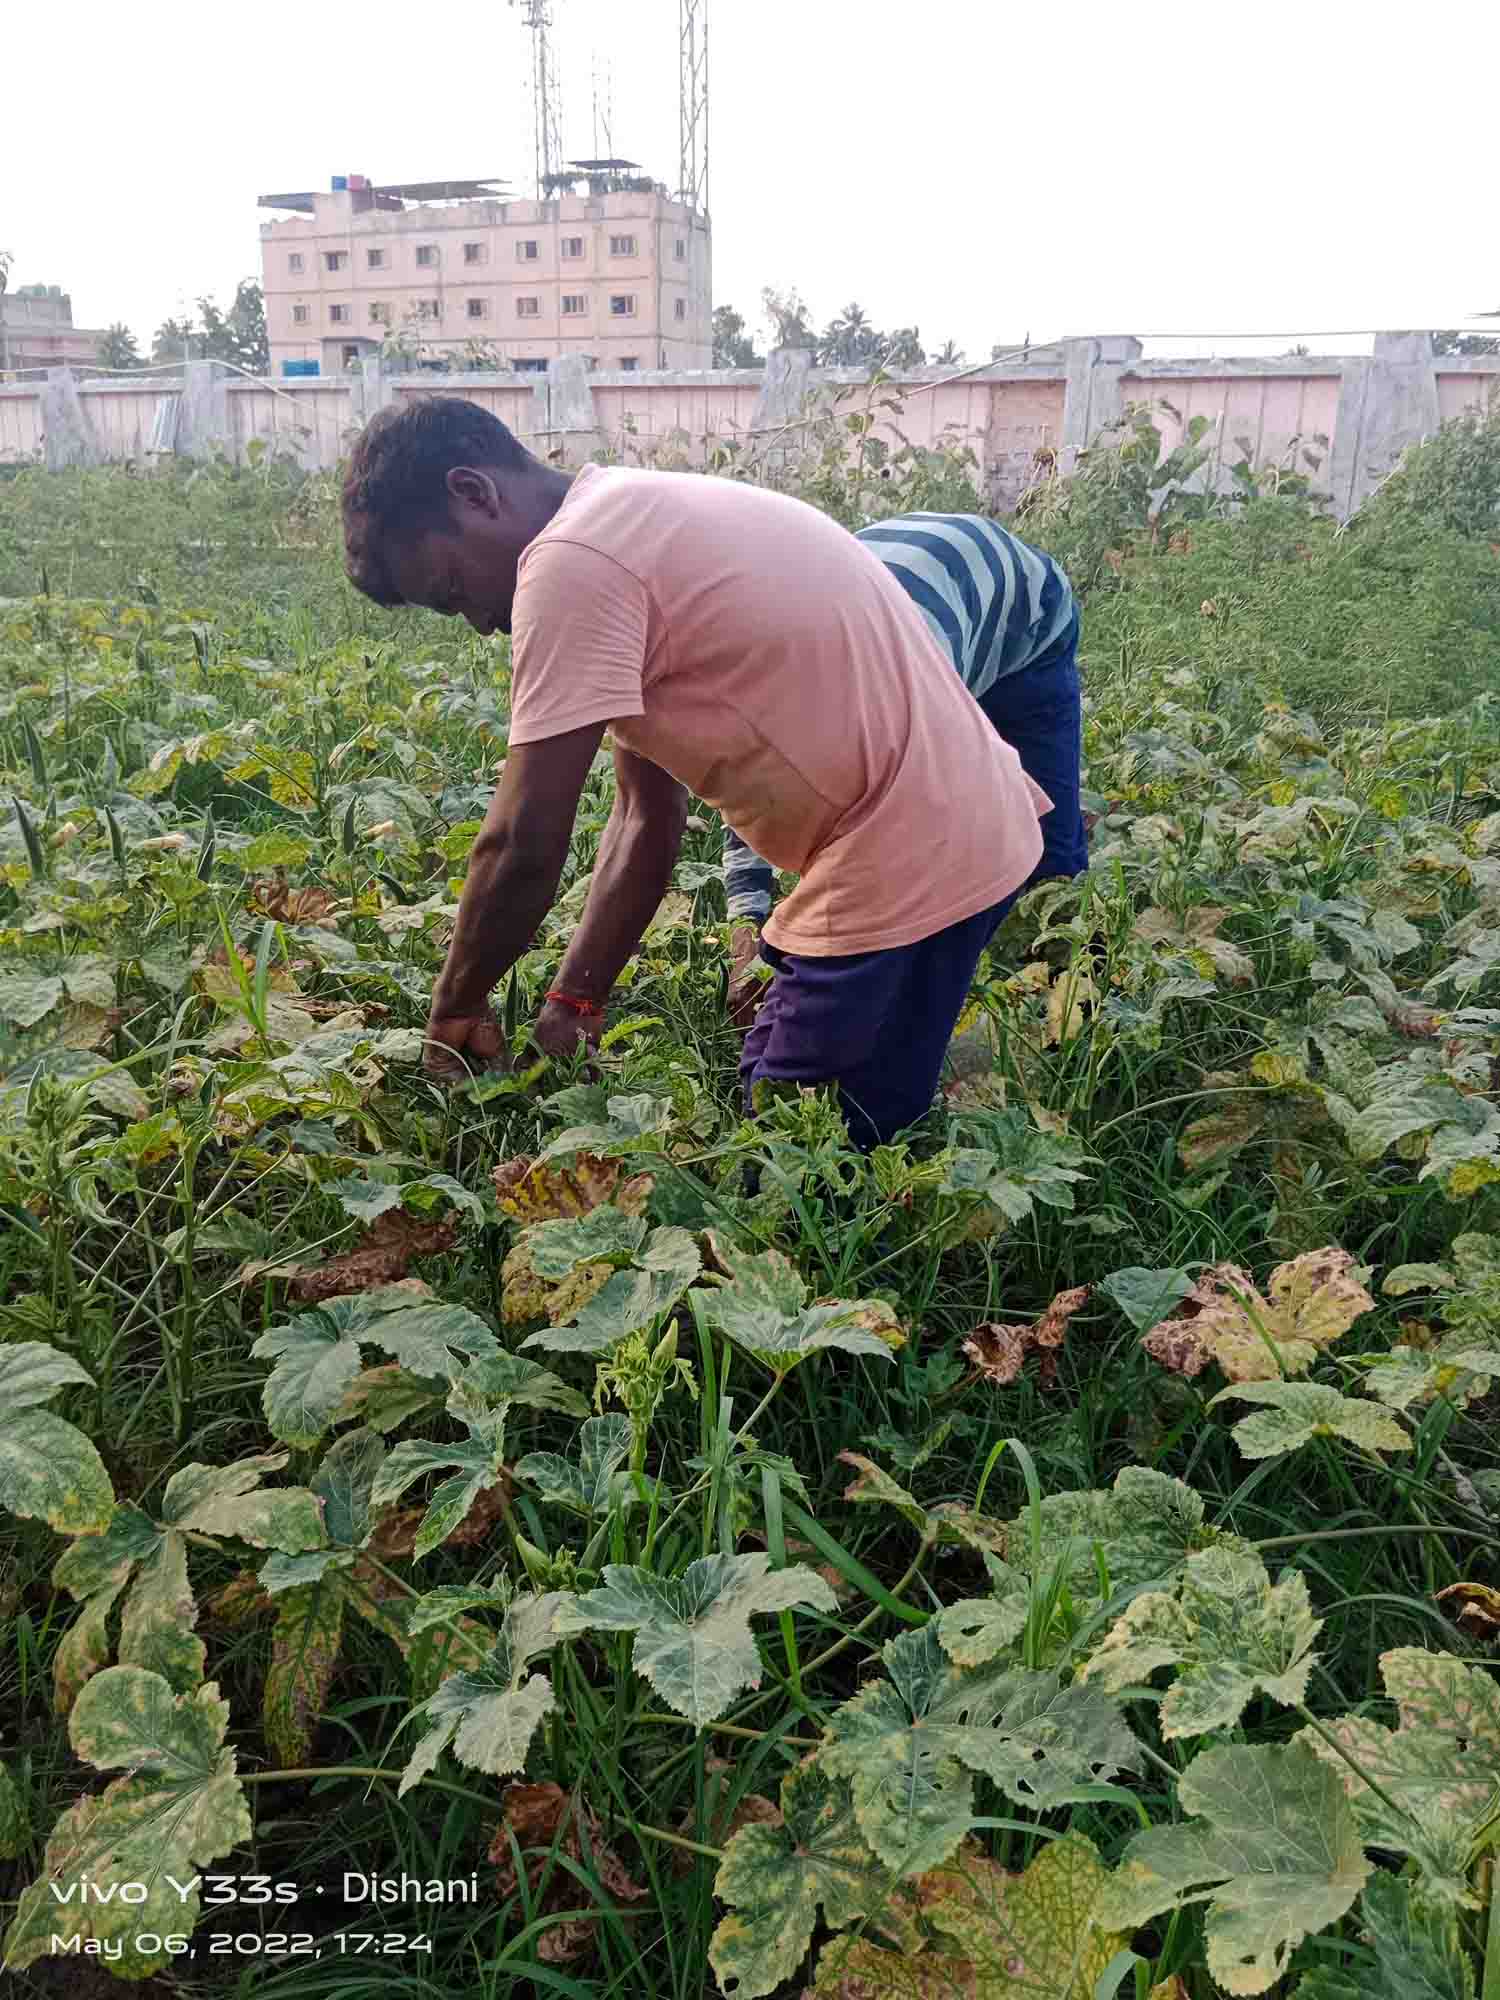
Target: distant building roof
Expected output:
[490,189]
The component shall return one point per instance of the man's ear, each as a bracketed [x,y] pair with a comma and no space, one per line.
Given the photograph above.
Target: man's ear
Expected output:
[472,488]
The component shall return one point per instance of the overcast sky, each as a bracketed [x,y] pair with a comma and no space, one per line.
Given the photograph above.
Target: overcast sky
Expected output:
[983,171]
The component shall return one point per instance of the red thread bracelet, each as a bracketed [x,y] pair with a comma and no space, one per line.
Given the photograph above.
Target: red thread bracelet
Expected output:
[572,1000]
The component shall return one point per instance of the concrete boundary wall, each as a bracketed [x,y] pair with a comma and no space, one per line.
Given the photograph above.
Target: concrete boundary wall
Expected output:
[1354,414]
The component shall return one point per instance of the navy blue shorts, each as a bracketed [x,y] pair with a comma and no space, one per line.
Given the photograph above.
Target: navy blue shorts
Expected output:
[877,1024]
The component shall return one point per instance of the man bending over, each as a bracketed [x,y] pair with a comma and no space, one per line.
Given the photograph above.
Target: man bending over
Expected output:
[739,645]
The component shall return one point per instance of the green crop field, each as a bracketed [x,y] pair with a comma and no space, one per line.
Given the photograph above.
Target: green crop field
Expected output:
[560,1536]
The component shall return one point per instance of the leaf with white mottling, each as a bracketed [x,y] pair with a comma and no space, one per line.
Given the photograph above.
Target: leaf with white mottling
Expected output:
[229,1501]
[693,1640]
[490,1715]
[1227,1630]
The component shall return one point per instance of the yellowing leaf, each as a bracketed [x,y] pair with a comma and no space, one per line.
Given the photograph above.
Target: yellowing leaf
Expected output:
[1070,998]
[1296,1412]
[48,1469]
[1273,1841]
[180,1808]
[1313,1301]
[997,1936]
[1440,1768]
[775,1879]
[304,1654]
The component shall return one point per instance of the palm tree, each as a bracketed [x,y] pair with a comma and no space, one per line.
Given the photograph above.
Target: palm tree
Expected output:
[904,349]
[949,355]
[849,338]
[118,349]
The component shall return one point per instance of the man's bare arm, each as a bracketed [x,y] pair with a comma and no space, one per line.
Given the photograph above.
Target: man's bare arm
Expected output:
[636,858]
[514,869]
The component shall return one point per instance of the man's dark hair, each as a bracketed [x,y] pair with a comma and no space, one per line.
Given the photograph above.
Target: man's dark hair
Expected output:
[396,484]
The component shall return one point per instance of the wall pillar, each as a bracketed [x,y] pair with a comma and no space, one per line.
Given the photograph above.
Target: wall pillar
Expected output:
[1093,399]
[563,409]
[67,434]
[203,411]
[784,389]
[372,392]
[1387,402]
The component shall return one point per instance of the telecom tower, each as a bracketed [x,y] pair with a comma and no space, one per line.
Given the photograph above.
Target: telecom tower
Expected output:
[546,95]
[692,173]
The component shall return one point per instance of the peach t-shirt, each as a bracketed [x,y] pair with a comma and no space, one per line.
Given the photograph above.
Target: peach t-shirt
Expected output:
[752,647]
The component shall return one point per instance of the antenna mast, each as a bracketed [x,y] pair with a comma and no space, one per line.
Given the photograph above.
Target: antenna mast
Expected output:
[692,173]
[546,94]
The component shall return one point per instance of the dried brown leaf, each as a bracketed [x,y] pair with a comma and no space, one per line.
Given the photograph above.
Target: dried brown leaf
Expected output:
[382,1255]
[999,1352]
[1474,1606]
[276,897]
[544,1817]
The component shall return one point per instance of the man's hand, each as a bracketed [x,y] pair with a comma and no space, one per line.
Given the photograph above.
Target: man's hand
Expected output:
[463,1045]
[746,990]
[559,1031]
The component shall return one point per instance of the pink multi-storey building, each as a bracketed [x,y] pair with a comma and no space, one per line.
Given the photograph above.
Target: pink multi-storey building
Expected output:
[452,269]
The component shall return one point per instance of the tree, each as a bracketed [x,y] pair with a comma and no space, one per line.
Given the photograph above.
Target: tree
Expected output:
[950,355]
[173,340]
[904,349]
[238,335]
[849,339]
[787,313]
[1455,342]
[733,347]
[118,349]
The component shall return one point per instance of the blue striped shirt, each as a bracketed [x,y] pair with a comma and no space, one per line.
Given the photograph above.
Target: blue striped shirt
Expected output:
[993,603]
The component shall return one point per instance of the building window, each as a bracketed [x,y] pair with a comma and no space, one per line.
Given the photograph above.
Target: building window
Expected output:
[351,355]
[679,309]
[294,261]
[572,246]
[299,315]
[622,305]
[528,308]
[574,303]
[335,260]
[478,308]
[476,253]
[629,363]
[380,312]
[679,249]
[622,246]
[529,367]
[427,253]
[526,250]
[374,260]
[429,308]
[339,315]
